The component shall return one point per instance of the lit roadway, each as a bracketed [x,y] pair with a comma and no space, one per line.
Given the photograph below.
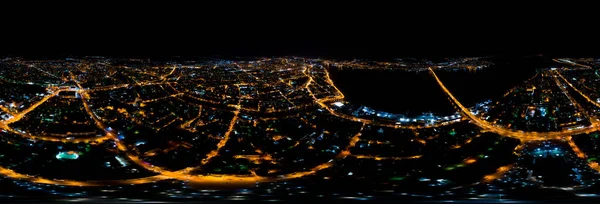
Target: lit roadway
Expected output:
[221,179]
[521,135]
[594,165]
[18,116]
[587,98]
[555,75]
[564,61]
[163,174]
[340,96]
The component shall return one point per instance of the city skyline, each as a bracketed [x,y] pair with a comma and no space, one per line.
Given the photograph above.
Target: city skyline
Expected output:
[88,126]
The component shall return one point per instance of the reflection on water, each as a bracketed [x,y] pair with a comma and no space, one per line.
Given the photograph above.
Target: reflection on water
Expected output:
[414,93]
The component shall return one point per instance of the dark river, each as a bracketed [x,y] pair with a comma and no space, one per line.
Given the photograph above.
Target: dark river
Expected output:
[414,93]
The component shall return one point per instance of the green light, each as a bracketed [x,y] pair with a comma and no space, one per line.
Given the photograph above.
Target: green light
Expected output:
[397,178]
[243,167]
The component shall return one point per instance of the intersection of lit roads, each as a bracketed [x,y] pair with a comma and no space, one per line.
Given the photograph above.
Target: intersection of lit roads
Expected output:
[246,94]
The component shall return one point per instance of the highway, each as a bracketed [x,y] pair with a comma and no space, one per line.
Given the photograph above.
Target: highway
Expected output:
[18,116]
[222,179]
[223,141]
[36,179]
[564,61]
[340,96]
[183,175]
[578,91]
[521,135]
[555,74]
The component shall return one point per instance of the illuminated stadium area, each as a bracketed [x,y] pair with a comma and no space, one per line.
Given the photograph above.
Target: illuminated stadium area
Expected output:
[70,155]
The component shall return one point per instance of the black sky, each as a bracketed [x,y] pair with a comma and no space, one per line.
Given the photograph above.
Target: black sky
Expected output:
[364,31]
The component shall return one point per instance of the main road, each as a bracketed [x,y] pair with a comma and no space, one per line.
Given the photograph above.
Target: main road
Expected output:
[521,135]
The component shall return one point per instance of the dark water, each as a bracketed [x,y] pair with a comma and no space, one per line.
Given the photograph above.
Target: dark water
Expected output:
[414,93]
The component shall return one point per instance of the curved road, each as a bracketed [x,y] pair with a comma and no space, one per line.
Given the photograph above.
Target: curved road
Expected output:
[521,135]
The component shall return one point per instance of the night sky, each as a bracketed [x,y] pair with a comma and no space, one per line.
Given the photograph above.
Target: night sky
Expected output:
[309,30]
